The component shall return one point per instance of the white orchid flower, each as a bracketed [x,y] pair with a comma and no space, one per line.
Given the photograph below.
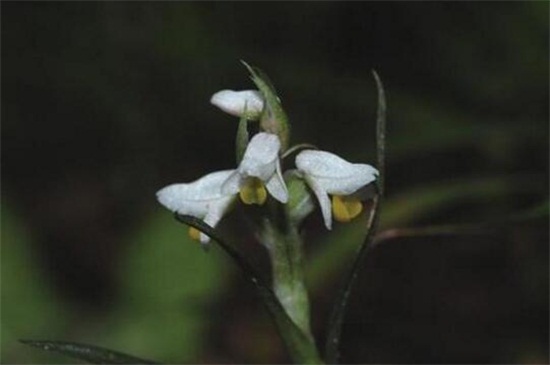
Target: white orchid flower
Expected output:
[235,102]
[327,174]
[202,199]
[260,169]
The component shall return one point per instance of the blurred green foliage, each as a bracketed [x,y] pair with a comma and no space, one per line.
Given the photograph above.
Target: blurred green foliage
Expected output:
[103,103]
[167,288]
[29,304]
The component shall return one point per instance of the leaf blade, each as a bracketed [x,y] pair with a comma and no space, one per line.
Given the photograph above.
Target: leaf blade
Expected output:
[89,353]
[337,315]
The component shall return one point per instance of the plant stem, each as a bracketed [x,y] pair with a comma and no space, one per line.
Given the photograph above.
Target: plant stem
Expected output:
[285,250]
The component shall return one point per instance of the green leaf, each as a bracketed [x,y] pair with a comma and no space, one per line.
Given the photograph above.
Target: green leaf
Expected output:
[338,311]
[380,134]
[89,353]
[301,348]
[241,140]
[273,119]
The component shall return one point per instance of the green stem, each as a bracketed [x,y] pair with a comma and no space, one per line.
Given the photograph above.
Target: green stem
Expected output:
[285,250]
[301,347]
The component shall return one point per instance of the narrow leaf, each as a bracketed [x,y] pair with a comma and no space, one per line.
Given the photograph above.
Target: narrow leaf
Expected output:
[431,231]
[380,134]
[300,347]
[241,141]
[88,353]
[338,311]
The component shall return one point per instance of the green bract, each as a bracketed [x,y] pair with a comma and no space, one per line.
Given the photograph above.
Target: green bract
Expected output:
[273,118]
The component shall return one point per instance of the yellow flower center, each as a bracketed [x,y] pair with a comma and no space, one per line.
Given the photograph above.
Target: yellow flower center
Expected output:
[345,209]
[253,191]
[194,233]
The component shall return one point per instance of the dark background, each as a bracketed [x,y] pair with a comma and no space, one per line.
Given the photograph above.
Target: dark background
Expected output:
[103,103]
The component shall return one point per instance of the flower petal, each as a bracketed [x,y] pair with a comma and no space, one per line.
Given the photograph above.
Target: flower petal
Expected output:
[233,102]
[276,185]
[345,209]
[214,215]
[261,156]
[253,191]
[197,197]
[324,200]
[233,183]
[260,161]
[334,174]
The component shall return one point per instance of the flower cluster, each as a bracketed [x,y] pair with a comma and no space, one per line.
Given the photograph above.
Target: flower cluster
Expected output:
[334,181]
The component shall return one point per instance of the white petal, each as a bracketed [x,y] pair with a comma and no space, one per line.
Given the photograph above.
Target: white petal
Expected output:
[334,174]
[195,198]
[324,201]
[276,186]
[214,215]
[233,102]
[261,156]
[233,183]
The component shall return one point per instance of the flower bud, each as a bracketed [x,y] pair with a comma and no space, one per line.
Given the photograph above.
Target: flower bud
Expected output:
[234,102]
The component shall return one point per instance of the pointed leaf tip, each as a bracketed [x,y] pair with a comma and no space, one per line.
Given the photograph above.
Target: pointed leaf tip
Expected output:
[274,119]
[338,311]
[380,133]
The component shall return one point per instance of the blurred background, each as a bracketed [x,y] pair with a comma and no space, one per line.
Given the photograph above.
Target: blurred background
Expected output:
[104,103]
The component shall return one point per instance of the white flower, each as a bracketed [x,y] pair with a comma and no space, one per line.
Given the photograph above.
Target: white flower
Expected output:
[260,169]
[202,199]
[327,174]
[233,102]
